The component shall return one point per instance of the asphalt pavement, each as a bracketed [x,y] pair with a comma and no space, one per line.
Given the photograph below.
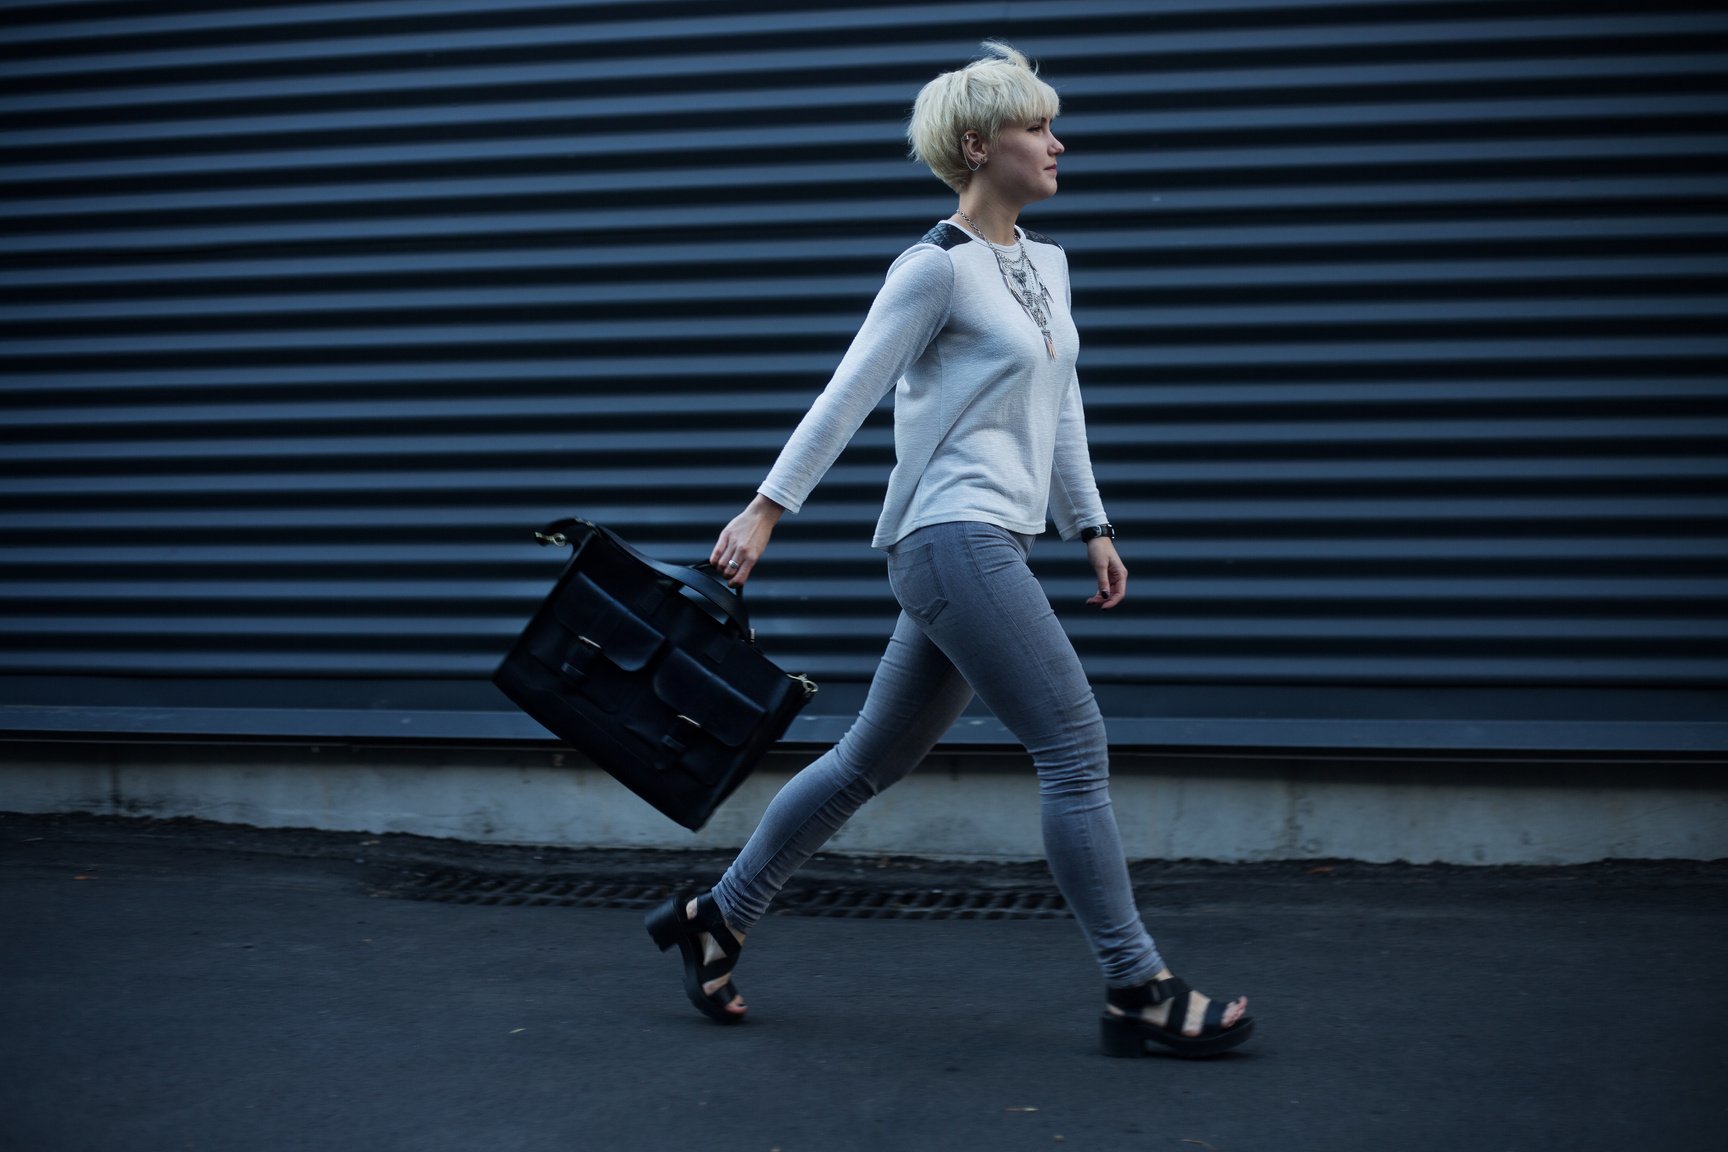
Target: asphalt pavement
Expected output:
[177,985]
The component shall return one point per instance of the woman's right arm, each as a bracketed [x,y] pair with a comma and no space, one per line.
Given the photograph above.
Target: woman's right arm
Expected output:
[909,310]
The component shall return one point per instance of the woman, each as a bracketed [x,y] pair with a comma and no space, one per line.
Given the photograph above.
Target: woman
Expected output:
[972,330]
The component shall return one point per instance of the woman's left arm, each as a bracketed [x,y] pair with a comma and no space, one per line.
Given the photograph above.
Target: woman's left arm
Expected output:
[1075,503]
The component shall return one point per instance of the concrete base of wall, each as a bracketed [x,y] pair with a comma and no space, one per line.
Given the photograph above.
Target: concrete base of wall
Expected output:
[957,806]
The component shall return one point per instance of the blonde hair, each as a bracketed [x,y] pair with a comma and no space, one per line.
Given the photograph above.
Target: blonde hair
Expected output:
[1001,88]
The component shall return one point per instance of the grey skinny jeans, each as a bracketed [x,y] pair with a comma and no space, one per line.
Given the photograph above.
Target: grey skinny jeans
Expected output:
[972,617]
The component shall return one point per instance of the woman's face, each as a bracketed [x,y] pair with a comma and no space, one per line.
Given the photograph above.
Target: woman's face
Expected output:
[1022,163]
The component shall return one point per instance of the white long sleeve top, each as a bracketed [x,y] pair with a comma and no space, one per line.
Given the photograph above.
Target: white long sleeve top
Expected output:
[987,425]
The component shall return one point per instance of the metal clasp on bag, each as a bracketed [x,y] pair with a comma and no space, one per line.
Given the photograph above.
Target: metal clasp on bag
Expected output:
[557,539]
[810,688]
[672,739]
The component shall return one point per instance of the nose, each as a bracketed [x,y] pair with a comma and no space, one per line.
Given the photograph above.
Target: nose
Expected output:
[1056,146]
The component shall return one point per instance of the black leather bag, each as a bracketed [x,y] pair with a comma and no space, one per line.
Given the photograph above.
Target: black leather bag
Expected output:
[651,670]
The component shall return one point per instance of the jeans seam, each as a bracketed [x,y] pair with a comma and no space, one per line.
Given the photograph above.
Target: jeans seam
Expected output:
[1070,735]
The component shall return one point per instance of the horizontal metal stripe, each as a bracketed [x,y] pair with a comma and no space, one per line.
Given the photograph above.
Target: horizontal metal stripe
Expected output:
[83,563]
[1324,631]
[1147,589]
[1445,196]
[1526,114]
[792,155]
[153,105]
[1421,737]
[1371,354]
[1687,353]
[805,371]
[406,414]
[1619,429]
[1119,476]
[359,48]
[1167,400]
[1319,515]
[1278,78]
[679,27]
[1166,566]
[1152,318]
[1506,299]
[256,662]
[534,143]
[1116,38]
[564,372]
[281,17]
[474,300]
[1174,249]
[330,276]
[1187,668]
[1419,669]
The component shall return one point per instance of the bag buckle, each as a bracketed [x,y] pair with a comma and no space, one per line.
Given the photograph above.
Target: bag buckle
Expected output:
[810,688]
[676,739]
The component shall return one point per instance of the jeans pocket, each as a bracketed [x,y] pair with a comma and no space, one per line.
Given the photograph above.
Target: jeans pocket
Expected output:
[916,584]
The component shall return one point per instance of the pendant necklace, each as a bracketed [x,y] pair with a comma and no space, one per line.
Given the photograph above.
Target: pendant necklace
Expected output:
[1022,281]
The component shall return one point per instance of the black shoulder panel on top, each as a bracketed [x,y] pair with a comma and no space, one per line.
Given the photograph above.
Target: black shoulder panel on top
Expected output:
[945,236]
[1039,238]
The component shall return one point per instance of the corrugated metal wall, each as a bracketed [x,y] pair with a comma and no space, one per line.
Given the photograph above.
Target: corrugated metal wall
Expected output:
[1403,331]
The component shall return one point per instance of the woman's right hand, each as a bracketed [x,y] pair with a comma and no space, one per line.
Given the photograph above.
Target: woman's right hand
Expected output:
[743,541]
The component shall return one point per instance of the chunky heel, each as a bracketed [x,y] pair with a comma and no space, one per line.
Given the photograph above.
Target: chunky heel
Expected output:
[1120,1036]
[666,924]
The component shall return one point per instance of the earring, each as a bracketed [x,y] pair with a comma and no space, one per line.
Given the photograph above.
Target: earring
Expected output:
[969,138]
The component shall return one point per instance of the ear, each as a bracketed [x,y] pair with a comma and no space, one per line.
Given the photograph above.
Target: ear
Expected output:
[972,146]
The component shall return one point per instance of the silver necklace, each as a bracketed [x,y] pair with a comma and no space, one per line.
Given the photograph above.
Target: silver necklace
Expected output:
[1021,279]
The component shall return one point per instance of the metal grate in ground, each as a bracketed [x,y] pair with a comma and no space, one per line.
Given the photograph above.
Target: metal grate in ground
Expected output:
[861,903]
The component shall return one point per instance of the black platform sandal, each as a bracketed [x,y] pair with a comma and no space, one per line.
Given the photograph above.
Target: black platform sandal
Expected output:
[668,925]
[1126,1035]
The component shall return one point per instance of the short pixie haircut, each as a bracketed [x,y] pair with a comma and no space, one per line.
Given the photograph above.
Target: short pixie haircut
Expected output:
[1001,88]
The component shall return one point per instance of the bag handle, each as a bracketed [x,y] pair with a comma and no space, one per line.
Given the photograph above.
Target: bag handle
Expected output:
[728,600]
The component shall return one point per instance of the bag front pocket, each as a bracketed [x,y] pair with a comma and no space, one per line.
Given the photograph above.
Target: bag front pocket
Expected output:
[599,645]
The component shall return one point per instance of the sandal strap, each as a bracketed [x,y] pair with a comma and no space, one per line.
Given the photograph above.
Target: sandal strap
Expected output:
[1149,995]
[710,920]
[1177,1020]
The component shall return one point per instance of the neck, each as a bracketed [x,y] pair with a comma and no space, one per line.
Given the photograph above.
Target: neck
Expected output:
[995,220]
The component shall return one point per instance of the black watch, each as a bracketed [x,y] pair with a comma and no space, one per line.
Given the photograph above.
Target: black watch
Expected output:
[1087,535]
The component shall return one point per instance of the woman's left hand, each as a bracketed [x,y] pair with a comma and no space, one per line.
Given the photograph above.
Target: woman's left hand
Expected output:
[1111,572]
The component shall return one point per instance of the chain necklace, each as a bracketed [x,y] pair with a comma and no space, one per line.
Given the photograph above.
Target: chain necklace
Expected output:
[1022,281]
